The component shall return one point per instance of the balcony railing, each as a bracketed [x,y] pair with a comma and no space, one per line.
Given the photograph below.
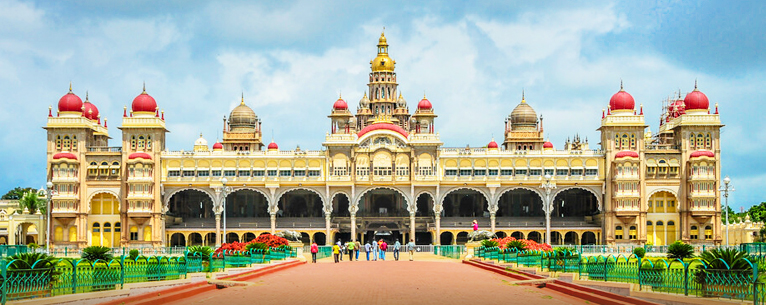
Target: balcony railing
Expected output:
[115,149]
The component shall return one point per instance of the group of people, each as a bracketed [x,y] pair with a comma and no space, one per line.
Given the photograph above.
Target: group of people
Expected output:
[374,250]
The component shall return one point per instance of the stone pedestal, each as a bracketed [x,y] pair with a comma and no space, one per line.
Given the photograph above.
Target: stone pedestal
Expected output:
[299,250]
[469,247]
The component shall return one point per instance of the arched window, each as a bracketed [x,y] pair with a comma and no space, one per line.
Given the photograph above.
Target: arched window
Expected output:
[140,143]
[694,232]
[58,142]
[708,142]
[692,140]
[74,143]
[632,232]
[617,141]
[133,142]
[67,143]
[700,141]
[633,141]
[149,143]
[618,232]
[95,239]
[708,233]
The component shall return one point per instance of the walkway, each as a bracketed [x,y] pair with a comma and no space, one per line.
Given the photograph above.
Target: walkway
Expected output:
[428,280]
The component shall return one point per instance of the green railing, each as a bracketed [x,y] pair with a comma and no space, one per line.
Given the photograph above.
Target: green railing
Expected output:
[451,251]
[9,250]
[560,261]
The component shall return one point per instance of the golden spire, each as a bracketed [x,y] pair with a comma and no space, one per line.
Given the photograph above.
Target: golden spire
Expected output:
[621,89]
[144,92]
[86,96]
[695,85]
[70,87]
[523,100]
[243,98]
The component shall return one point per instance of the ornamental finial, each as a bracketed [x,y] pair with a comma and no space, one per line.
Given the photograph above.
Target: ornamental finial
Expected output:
[523,100]
[144,92]
[242,102]
[70,86]
[621,89]
[86,96]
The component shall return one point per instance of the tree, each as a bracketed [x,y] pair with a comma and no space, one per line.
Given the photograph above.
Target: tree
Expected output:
[32,202]
[17,193]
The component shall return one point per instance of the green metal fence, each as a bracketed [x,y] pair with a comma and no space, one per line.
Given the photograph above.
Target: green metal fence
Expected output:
[450,251]
[9,250]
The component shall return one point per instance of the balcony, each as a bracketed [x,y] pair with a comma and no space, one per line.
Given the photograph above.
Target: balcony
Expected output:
[99,149]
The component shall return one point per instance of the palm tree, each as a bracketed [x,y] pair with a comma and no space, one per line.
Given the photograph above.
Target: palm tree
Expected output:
[17,193]
[31,201]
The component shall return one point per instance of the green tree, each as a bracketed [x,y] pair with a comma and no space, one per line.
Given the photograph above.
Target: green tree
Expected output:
[17,193]
[33,202]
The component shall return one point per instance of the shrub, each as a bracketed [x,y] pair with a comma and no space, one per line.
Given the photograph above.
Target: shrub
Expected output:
[39,264]
[133,254]
[639,252]
[516,244]
[489,243]
[734,258]
[680,250]
[202,251]
[94,253]
[33,246]
[256,246]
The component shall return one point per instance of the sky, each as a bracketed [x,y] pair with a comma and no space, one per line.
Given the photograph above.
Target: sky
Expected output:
[292,59]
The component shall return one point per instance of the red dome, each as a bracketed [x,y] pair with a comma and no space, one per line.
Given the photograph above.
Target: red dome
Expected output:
[678,108]
[70,102]
[622,101]
[140,155]
[702,153]
[89,110]
[547,144]
[387,126]
[492,144]
[144,103]
[424,104]
[340,104]
[273,145]
[626,154]
[64,155]
[217,145]
[696,100]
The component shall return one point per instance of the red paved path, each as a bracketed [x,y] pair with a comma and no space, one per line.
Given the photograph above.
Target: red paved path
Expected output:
[389,282]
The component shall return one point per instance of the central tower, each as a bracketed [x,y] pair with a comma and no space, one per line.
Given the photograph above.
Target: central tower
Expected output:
[384,100]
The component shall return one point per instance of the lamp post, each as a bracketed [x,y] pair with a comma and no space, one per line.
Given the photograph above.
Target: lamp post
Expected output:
[548,187]
[48,192]
[224,190]
[725,189]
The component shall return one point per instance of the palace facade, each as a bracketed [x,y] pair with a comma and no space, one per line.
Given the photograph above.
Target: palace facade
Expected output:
[383,172]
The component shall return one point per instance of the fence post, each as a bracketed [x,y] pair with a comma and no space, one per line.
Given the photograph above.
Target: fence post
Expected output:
[686,279]
[606,261]
[4,273]
[122,271]
[74,276]
[755,284]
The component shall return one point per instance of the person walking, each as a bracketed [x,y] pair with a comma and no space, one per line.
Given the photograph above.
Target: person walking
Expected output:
[357,247]
[336,251]
[475,225]
[341,249]
[397,246]
[375,250]
[314,250]
[367,248]
[411,248]
[350,248]
[383,248]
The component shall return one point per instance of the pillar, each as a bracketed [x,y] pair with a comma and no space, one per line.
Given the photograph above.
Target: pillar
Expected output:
[438,240]
[328,237]
[412,226]
[273,223]
[353,226]
[492,221]
[217,230]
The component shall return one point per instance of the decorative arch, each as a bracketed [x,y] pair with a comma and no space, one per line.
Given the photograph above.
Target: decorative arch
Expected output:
[321,197]
[166,204]
[104,191]
[328,207]
[486,196]
[355,202]
[662,189]
[512,188]
[595,194]
[271,208]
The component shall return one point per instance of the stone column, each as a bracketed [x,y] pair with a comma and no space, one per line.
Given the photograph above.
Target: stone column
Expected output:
[217,230]
[328,237]
[412,226]
[438,240]
[273,223]
[353,226]
[492,221]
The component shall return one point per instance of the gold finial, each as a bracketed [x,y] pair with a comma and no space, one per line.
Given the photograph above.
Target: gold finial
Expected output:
[523,99]
[144,92]
[621,89]
[400,94]
[86,96]
[695,85]
[365,94]
[243,98]
[424,94]
[70,86]
[340,95]
[200,135]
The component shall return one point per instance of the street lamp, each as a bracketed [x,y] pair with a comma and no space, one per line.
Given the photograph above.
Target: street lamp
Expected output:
[224,190]
[548,187]
[725,189]
[48,192]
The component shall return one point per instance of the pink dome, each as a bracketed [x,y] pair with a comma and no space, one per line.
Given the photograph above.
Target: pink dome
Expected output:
[217,145]
[139,155]
[424,104]
[492,144]
[89,110]
[70,102]
[64,155]
[547,144]
[626,154]
[622,101]
[144,103]
[340,104]
[702,153]
[696,100]
[387,126]
[273,145]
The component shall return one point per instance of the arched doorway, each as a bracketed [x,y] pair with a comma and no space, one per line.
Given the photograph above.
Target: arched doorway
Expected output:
[107,207]
[247,237]
[305,238]
[461,238]
[500,234]
[195,239]
[465,203]
[340,204]
[300,203]
[382,202]
[570,238]
[177,240]
[574,203]
[232,237]
[588,238]
[320,238]
[446,238]
[425,204]
[520,203]
[210,239]
[556,238]
[248,204]
[536,236]
[517,235]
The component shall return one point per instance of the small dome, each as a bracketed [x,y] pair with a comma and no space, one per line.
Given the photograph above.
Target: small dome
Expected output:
[702,153]
[70,102]
[547,144]
[523,115]
[401,102]
[201,141]
[622,101]
[89,110]
[217,145]
[424,104]
[144,103]
[364,102]
[242,116]
[696,100]
[626,154]
[139,155]
[340,104]
[382,63]
[64,155]
[273,146]
[492,144]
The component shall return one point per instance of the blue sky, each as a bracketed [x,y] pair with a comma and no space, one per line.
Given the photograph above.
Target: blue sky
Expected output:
[292,59]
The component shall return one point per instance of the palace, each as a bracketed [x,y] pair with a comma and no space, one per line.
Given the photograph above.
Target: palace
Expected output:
[383,172]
